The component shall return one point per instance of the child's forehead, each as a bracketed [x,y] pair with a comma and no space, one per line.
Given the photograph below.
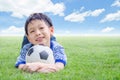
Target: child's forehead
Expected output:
[36,21]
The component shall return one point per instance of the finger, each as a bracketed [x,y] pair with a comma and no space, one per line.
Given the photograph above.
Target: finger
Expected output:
[51,70]
[24,67]
[46,70]
[43,71]
[32,68]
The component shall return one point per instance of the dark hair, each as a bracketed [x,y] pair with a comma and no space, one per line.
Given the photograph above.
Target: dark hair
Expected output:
[39,16]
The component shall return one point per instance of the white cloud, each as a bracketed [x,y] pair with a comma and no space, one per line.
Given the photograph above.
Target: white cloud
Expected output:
[112,17]
[80,17]
[82,8]
[12,30]
[20,8]
[107,29]
[116,3]
[97,12]
[76,17]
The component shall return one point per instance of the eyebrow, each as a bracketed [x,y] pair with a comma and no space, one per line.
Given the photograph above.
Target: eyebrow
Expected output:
[29,29]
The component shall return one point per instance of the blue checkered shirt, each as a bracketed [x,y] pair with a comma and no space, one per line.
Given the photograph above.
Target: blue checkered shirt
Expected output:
[58,53]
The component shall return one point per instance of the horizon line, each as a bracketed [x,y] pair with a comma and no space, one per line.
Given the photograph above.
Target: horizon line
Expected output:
[66,34]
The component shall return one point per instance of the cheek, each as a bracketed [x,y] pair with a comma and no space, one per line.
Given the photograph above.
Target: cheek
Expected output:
[29,38]
[47,31]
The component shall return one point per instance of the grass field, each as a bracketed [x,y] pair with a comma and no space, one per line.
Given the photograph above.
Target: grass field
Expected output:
[89,58]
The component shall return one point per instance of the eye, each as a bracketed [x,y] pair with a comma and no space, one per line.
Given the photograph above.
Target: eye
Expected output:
[32,31]
[41,28]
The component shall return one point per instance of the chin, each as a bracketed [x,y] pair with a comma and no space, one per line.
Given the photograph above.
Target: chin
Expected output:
[42,44]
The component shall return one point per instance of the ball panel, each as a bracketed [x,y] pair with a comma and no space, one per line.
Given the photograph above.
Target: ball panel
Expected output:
[43,55]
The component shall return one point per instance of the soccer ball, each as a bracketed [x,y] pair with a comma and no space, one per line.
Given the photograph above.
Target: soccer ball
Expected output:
[39,53]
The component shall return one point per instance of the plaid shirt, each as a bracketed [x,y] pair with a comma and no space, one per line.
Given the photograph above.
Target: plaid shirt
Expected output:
[58,53]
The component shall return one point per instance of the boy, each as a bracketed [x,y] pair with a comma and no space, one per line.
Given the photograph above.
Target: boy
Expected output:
[39,30]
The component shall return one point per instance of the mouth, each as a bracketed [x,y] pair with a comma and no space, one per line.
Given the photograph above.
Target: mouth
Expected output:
[39,39]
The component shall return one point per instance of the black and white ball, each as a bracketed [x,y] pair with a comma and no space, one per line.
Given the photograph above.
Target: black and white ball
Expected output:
[39,53]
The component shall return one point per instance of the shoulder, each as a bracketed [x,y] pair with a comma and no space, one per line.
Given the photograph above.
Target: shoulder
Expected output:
[55,44]
[26,47]
[57,48]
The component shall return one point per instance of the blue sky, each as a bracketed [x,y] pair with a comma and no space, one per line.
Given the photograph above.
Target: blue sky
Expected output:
[77,17]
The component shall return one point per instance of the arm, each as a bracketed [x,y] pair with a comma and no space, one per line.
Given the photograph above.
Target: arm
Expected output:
[21,57]
[41,67]
[48,68]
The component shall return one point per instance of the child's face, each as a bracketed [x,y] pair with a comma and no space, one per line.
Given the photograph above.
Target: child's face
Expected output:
[39,32]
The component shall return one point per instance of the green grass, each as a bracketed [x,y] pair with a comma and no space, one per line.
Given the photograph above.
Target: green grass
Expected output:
[89,58]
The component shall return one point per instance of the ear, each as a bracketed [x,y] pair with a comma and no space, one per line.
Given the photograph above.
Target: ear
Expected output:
[51,30]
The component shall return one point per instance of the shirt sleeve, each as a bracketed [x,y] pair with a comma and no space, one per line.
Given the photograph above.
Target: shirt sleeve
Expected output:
[21,57]
[59,54]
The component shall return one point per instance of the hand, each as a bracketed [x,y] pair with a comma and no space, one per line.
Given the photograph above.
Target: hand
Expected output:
[38,67]
[31,67]
[48,68]
[41,67]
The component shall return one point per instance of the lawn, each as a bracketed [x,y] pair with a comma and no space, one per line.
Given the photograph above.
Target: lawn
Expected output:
[89,58]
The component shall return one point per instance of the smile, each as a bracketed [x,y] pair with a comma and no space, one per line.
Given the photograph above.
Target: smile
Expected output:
[39,39]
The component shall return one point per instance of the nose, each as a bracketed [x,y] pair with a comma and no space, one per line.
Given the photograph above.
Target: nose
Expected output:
[38,32]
